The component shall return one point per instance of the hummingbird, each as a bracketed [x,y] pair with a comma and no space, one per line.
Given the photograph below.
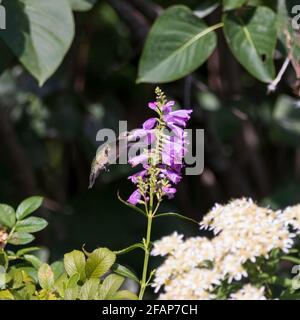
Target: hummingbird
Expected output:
[108,153]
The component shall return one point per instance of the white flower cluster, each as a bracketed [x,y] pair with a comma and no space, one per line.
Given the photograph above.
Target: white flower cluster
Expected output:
[243,231]
[249,292]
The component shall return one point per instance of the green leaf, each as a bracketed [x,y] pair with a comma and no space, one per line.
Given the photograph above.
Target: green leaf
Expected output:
[124,295]
[28,206]
[99,262]
[125,272]
[74,262]
[27,250]
[71,293]
[178,43]
[46,276]
[58,269]
[251,35]
[31,225]
[110,286]
[82,5]
[73,280]
[177,215]
[291,259]
[6,295]
[19,238]
[39,33]
[233,4]
[7,216]
[3,259]
[131,206]
[34,260]
[89,290]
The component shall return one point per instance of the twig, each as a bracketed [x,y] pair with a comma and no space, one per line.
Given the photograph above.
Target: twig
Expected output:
[273,85]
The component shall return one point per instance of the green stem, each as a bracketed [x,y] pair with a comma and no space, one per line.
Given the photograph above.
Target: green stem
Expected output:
[147,254]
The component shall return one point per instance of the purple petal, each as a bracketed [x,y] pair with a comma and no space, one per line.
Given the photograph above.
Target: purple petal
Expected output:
[152,105]
[134,178]
[167,108]
[140,159]
[135,197]
[149,124]
[169,192]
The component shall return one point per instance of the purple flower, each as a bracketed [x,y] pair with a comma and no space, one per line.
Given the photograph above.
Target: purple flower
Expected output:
[167,108]
[153,105]
[169,192]
[149,124]
[178,117]
[135,197]
[171,175]
[140,159]
[134,178]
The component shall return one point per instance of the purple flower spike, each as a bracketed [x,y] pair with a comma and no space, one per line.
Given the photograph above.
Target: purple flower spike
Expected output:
[166,140]
[135,197]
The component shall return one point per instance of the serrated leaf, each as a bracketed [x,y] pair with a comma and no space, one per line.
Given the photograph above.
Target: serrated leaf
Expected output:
[19,238]
[125,272]
[89,290]
[28,206]
[99,262]
[46,276]
[82,5]
[178,43]
[110,286]
[233,4]
[7,216]
[251,35]
[31,225]
[39,33]
[74,262]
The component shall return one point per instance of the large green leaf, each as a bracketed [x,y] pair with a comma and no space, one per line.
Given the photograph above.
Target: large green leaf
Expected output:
[39,33]
[232,4]
[31,225]
[110,286]
[46,276]
[178,43]
[82,5]
[251,34]
[7,216]
[125,272]
[74,263]
[28,206]
[89,290]
[19,238]
[99,262]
